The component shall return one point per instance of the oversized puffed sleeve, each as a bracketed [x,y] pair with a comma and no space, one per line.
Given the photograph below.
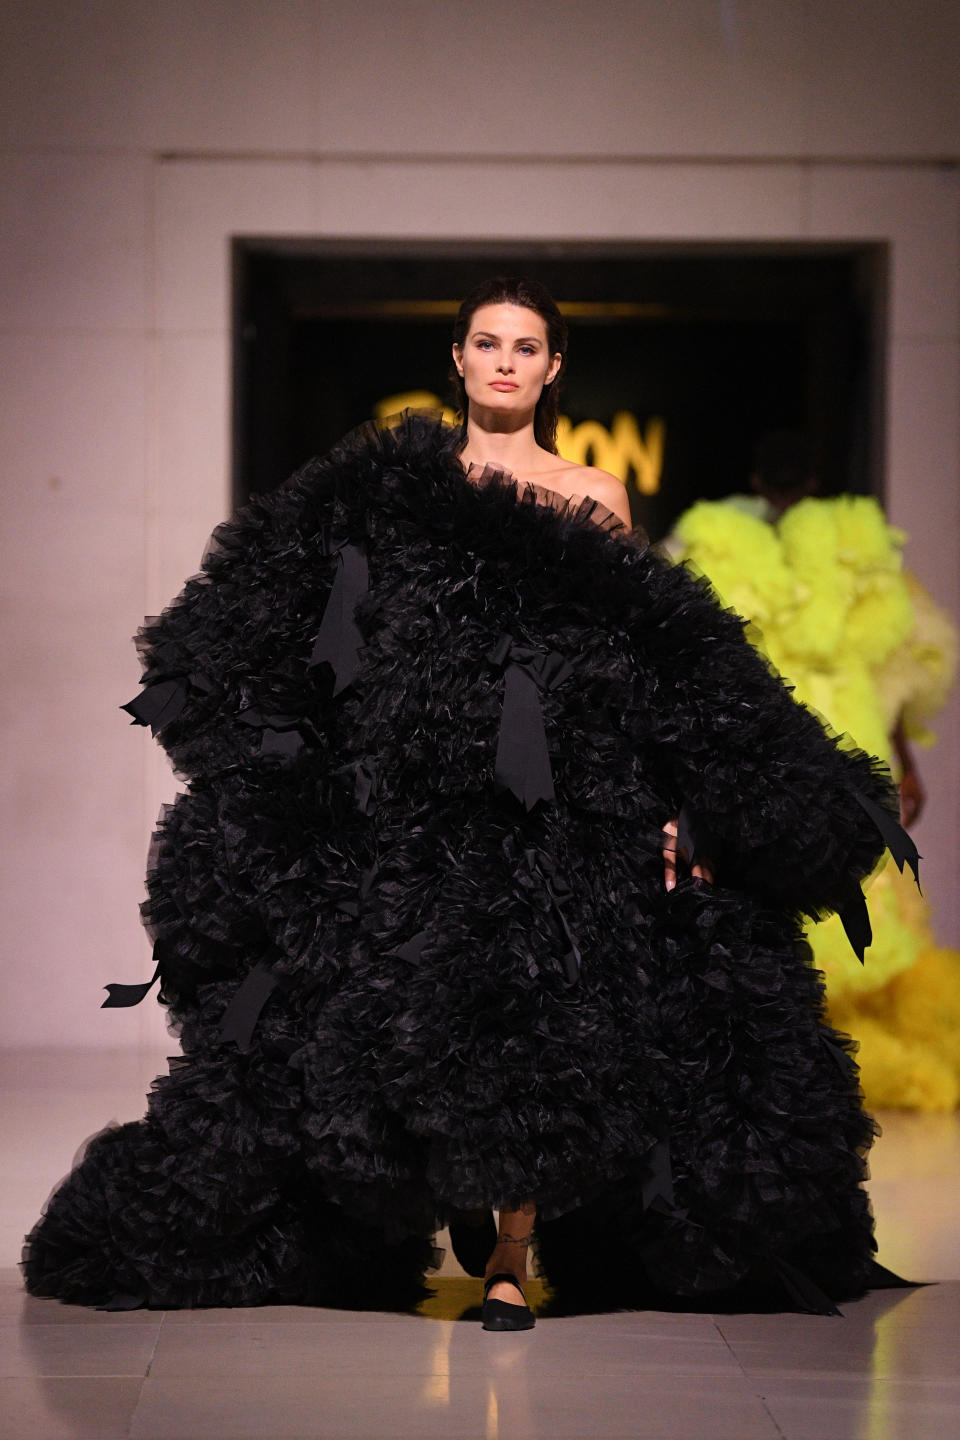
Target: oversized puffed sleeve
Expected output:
[233,669]
[782,808]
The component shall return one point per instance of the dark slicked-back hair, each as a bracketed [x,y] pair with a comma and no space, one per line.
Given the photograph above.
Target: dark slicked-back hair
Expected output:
[517,290]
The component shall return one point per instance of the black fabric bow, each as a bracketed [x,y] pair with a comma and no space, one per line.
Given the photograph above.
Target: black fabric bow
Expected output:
[523,762]
[338,640]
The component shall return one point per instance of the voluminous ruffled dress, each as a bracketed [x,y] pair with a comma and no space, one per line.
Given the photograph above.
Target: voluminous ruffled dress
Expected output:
[411,927]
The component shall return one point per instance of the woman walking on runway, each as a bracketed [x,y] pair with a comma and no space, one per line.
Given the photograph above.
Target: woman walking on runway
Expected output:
[435,921]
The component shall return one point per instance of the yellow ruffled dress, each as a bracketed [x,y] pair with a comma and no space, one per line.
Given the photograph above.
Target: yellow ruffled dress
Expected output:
[863,644]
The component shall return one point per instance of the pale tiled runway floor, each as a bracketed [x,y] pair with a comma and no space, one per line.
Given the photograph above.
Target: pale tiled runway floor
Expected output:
[886,1371]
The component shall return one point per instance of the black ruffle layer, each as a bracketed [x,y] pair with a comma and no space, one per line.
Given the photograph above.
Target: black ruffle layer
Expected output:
[402,985]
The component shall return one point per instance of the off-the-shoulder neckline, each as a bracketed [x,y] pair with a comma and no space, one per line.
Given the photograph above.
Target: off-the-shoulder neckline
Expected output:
[571,507]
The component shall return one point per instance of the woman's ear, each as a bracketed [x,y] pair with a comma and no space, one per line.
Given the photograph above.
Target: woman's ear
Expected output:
[555,364]
[458,359]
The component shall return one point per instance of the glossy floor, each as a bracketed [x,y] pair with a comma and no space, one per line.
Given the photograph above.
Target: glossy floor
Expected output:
[886,1370]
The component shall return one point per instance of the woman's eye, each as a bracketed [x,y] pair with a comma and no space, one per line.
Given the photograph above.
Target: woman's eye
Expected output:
[481,344]
[527,350]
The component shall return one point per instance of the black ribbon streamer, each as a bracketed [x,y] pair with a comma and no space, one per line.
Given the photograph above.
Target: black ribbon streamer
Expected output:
[411,949]
[656,1187]
[280,735]
[855,919]
[161,701]
[880,1278]
[123,1300]
[522,762]
[803,1291]
[122,996]
[558,888]
[896,839]
[843,1061]
[686,840]
[241,1015]
[338,640]
[367,877]
[158,704]
[695,843]
[365,786]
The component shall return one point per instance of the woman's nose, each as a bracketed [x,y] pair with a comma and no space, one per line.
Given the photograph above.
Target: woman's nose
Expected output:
[505,364]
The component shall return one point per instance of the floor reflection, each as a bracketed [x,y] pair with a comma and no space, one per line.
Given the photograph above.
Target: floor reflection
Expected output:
[884,1371]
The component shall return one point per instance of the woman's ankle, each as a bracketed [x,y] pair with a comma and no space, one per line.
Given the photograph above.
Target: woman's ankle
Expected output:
[510,1257]
[514,1236]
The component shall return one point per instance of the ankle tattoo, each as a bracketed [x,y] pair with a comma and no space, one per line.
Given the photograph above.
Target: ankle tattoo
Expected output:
[513,1239]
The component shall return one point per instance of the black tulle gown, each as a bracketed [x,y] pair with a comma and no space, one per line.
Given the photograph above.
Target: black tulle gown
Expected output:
[411,927]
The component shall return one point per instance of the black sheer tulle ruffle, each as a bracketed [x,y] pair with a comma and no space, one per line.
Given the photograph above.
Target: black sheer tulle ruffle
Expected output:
[411,929]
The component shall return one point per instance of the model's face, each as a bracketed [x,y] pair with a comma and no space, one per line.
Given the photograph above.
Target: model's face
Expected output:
[505,360]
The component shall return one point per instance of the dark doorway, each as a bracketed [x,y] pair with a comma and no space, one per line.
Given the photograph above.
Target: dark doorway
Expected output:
[704,347]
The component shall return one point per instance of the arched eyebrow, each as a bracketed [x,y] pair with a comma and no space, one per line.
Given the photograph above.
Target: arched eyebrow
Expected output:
[520,340]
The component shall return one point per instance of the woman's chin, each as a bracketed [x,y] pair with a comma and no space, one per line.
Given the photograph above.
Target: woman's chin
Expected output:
[502,412]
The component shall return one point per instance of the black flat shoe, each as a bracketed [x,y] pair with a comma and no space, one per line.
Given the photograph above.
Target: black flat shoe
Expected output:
[473,1244]
[499,1314]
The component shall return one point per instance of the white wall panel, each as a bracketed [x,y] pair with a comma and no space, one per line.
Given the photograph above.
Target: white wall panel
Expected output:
[73,241]
[622,77]
[881,78]
[916,211]
[578,200]
[74,73]
[160,75]
[235,74]
[74,838]
[201,205]
[190,474]
[775,78]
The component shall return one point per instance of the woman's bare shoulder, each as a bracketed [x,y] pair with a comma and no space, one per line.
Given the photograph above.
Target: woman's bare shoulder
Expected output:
[600,485]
